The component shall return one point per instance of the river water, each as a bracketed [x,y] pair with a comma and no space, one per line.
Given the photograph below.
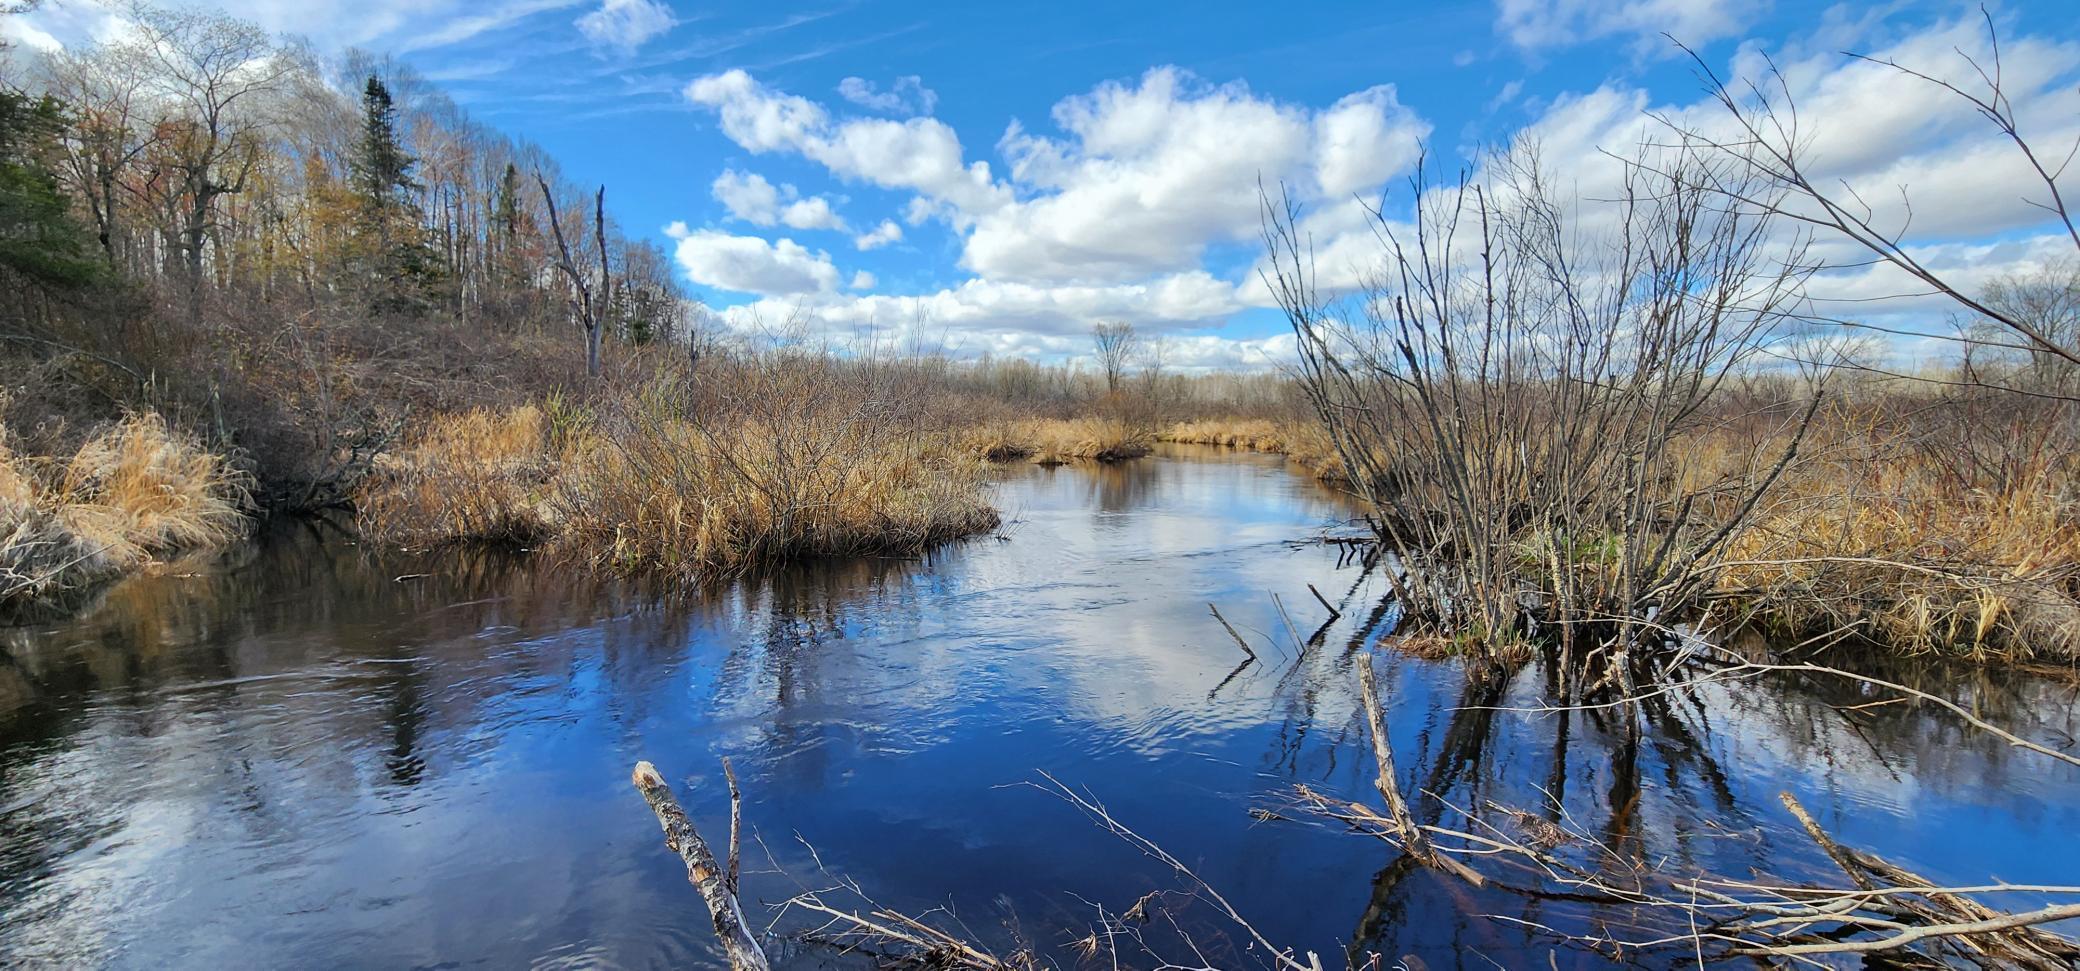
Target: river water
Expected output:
[308,754]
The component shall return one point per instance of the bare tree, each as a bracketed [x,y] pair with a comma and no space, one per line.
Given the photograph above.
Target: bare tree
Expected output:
[1115,342]
[2048,299]
[588,305]
[1766,140]
[112,127]
[211,76]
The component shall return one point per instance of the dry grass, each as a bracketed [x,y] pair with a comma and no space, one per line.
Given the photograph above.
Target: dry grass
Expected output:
[132,494]
[659,494]
[1305,443]
[1255,434]
[480,476]
[999,441]
[646,485]
[1872,530]
[1901,554]
[1054,441]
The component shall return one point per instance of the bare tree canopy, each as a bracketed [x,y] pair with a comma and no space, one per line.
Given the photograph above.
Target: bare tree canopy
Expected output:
[1116,343]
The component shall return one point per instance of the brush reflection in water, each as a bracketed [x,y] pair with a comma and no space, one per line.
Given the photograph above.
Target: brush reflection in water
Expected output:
[311,753]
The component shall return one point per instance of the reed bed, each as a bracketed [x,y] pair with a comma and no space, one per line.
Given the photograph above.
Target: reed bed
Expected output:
[485,475]
[690,485]
[1890,547]
[1305,443]
[129,496]
[1056,441]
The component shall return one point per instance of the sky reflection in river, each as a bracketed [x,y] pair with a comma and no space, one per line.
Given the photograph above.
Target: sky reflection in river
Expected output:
[314,756]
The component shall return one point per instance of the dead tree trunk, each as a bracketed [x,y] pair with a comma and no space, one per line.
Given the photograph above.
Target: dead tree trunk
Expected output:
[589,306]
[717,885]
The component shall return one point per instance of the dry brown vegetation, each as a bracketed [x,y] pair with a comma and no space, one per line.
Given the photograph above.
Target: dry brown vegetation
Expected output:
[1585,449]
[1302,441]
[132,494]
[760,459]
[1920,522]
[1055,441]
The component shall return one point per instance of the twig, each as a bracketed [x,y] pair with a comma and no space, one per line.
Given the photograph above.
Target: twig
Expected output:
[1231,632]
[1324,601]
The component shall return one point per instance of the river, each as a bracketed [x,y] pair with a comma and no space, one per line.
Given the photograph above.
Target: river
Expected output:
[309,754]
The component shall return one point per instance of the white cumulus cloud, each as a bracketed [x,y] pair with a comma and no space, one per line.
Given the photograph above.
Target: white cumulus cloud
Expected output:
[882,235]
[748,196]
[750,264]
[917,154]
[1151,174]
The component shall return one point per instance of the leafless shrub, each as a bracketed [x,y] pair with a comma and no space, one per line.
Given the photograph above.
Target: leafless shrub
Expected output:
[1512,391]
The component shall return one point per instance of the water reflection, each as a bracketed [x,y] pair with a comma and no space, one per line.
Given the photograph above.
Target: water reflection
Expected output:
[310,752]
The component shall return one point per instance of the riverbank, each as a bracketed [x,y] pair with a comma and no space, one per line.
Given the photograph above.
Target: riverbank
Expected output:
[767,459]
[128,498]
[1055,441]
[1305,443]
[646,485]
[1874,532]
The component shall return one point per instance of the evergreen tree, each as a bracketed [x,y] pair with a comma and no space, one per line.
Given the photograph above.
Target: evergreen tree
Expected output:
[40,240]
[401,264]
[382,170]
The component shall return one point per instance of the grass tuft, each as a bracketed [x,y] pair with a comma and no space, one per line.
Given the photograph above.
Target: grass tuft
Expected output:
[129,496]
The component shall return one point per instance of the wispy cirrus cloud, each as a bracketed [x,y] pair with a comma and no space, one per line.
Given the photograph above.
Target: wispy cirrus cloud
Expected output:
[907,96]
[624,25]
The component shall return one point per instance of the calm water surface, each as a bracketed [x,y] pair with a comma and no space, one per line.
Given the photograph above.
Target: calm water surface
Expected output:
[310,755]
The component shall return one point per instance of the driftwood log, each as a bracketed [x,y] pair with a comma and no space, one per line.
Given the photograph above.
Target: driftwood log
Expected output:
[716,884]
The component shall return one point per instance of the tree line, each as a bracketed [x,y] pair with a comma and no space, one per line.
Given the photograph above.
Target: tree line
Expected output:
[201,156]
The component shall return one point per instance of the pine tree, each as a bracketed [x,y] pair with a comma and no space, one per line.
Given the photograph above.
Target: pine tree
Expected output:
[382,170]
[401,264]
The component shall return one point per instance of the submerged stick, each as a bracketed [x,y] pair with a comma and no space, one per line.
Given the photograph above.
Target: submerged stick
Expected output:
[736,821]
[1298,644]
[1412,837]
[701,869]
[1246,649]
[1324,601]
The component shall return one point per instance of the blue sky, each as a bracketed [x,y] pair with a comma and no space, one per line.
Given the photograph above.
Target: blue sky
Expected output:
[987,178]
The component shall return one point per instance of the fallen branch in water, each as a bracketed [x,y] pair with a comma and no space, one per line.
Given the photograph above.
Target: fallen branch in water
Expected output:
[892,938]
[919,944]
[716,885]
[1890,910]
[1324,601]
[1285,957]
[1413,839]
[1246,649]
